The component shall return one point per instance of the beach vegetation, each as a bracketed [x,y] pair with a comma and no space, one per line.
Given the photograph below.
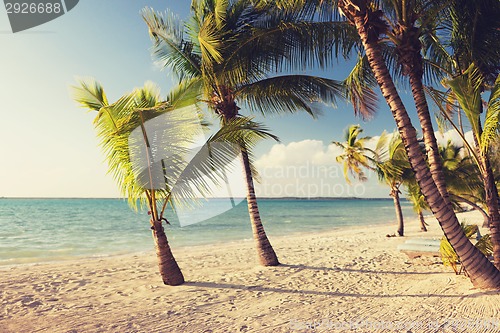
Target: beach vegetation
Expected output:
[240,55]
[147,142]
[373,25]
[469,64]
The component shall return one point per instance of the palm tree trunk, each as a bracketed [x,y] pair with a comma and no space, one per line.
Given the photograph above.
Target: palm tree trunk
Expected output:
[491,198]
[399,212]
[431,146]
[169,270]
[481,271]
[423,226]
[492,204]
[265,251]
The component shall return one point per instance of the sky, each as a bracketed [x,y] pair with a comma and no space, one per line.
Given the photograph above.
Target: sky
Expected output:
[48,146]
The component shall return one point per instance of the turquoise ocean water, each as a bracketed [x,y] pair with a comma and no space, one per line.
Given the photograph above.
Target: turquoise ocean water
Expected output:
[37,230]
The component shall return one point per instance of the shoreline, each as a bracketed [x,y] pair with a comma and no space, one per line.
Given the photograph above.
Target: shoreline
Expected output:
[216,243]
[338,277]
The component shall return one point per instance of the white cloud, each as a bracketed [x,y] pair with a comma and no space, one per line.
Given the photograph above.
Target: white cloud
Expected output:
[308,168]
[443,138]
[297,153]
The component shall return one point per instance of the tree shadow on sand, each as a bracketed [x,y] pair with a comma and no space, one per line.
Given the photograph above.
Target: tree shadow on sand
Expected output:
[352,270]
[253,288]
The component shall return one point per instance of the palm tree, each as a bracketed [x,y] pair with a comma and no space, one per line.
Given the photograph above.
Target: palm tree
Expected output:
[469,59]
[372,28]
[417,199]
[467,89]
[150,162]
[390,163]
[230,51]
[412,24]
[355,155]
[393,169]
[368,20]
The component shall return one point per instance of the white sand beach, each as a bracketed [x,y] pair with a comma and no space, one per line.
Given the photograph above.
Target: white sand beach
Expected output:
[352,279]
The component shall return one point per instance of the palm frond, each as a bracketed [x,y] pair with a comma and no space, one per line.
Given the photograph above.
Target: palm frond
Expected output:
[89,94]
[475,36]
[395,168]
[290,93]
[467,90]
[210,41]
[220,12]
[359,91]
[170,47]
[442,101]
[492,120]
[286,44]
[186,93]
[209,163]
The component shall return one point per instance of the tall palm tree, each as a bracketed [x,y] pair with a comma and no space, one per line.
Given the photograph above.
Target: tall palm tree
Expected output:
[372,28]
[411,23]
[467,89]
[150,163]
[368,20]
[232,51]
[469,59]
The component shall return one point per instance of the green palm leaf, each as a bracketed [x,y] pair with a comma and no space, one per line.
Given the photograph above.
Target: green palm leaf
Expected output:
[492,120]
[170,47]
[89,94]
[358,89]
[290,93]
[467,89]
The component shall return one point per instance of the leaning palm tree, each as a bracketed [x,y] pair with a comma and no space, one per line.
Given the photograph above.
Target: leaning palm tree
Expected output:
[368,20]
[372,28]
[469,60]
[232,52]
[147,145]
[467,89]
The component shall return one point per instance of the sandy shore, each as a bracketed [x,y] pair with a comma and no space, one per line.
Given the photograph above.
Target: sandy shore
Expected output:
[340,281]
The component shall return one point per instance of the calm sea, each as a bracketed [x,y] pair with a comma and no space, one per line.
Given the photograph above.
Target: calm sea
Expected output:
[36,230]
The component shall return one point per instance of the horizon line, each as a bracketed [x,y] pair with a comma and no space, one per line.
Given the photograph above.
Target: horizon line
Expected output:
[259,198]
